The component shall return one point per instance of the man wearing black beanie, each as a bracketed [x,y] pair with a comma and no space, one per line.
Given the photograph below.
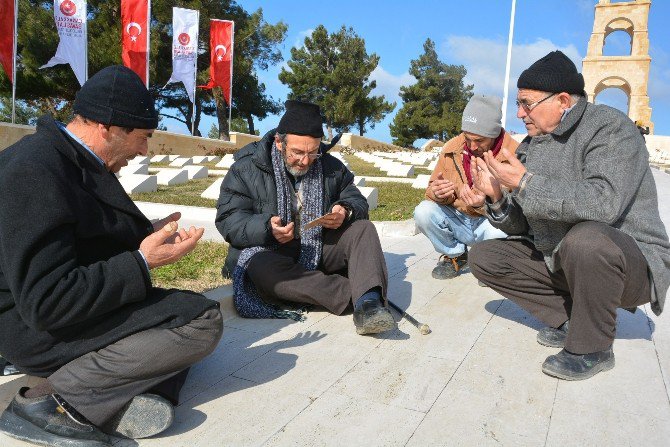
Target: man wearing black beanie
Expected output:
[77,307]
[580,206]
[273,190]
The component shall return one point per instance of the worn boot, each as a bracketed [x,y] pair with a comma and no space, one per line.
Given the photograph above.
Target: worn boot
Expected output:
[553,337]
[7,369]
[448,268]
[49,420]
[371,317]
[568,366]
[145,415]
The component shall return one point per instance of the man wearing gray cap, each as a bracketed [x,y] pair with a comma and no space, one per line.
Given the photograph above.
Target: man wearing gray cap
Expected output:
[580,207]
[77,307]
[452,217]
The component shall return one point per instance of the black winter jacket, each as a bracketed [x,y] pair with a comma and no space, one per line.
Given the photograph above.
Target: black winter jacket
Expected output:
[248,197]
[71,278]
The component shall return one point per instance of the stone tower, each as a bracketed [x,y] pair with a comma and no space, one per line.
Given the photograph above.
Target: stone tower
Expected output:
[628,73]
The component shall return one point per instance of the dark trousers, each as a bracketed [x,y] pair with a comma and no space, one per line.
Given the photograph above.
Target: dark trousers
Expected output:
[602,269]
[99,384]
[352,263]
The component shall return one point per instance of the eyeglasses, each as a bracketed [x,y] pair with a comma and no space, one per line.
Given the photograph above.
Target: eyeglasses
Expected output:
[528,107]
[300,156]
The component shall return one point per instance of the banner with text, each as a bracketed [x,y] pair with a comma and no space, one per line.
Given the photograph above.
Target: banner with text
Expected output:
[135,36]
[70,17]
[185,48]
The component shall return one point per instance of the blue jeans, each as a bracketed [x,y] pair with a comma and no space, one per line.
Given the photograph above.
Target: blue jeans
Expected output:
[450,230]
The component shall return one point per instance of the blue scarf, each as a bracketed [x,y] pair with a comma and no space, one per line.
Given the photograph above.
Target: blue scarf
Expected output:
[248,302]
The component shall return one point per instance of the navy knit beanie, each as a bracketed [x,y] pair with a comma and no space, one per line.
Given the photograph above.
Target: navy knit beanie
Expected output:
[116,96]
[301,118]
[554,73]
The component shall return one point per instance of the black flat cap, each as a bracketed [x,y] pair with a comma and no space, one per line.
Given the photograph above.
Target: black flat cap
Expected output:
[116,96]
[301,118]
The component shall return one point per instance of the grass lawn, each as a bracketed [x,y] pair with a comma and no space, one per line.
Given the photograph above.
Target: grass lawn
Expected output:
[200,270]
[185,194]
[396,200]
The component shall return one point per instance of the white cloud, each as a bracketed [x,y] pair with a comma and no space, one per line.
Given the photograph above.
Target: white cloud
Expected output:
[389,84]
[300,39]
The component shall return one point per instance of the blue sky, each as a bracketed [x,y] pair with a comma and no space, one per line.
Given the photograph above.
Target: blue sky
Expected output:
[471,33]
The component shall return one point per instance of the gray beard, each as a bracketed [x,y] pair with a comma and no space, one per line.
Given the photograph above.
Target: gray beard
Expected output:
[294,171]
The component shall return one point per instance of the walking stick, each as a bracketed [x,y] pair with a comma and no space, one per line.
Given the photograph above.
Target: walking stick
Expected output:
[422,327]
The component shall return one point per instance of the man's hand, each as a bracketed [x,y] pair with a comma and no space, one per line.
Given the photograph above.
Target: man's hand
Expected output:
[159,224]
[335,218]
[483,180]
[283,234]
[508,175]
[168,245]
[471,196]
[442,189]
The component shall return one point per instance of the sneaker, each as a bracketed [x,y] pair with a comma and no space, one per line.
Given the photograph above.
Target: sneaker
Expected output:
[448,268]
[568,366]
[553,337]
[371,317]
[145,415]
[49,420]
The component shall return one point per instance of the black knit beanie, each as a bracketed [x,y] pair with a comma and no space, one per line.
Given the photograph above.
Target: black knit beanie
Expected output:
[301,118]
[554,73]
[116,96]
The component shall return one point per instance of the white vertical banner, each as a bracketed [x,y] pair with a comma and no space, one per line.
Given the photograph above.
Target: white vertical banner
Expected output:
[185,49]
[70,17]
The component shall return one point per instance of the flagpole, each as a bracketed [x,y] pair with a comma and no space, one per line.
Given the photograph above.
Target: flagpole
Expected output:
[148,28]
[195,71]
[232,56]
[508,65]
[16,37]
[86,46]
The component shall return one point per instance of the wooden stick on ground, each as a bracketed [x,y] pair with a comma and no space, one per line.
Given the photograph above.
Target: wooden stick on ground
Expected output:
[422,327]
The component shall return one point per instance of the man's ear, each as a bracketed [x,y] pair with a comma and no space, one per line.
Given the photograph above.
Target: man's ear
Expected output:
[104,131]
[565,99]
[278,143]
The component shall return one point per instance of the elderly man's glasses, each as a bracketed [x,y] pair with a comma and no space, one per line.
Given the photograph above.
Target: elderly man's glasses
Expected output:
[528,107]
[299,156]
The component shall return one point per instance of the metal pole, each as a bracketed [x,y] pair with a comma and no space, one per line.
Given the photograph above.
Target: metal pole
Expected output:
[509,62]
[232,54]
[16,37]
[195,72]
[86,46]
[148,28]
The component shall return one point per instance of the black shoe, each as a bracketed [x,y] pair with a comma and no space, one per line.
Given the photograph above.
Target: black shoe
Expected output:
[568,366]
[371,317]
[448,268]
[146,415]
[44,421]
[553,337]
[7,369]
[480,283]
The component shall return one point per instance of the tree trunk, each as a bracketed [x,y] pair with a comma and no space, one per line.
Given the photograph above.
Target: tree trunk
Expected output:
[361,126]
[221,114]
[250,123]
[198,114]
[329,128]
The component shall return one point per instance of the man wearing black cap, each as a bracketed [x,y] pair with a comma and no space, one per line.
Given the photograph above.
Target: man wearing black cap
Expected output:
[581,209]
[273,190]
[76,302]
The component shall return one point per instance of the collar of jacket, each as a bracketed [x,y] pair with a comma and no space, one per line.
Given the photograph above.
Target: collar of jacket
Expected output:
[95,178]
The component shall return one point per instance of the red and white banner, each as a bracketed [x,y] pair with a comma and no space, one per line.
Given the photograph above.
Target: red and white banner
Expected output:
[135,37]
[70,17]
[185,48]
[7,36]
[221,39]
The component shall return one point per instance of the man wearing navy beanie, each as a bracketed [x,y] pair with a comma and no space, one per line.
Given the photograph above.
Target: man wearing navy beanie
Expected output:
[579,204]
[77,306]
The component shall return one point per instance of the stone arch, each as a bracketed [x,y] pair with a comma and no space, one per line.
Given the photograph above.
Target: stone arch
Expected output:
[630,73]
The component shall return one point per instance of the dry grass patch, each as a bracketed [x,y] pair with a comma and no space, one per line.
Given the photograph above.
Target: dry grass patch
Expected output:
[185,194]
[199,271]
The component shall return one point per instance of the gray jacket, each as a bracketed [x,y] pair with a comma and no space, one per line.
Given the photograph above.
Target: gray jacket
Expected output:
[593,167]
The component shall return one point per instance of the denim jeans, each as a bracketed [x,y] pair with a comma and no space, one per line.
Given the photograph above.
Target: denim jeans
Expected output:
[450,230]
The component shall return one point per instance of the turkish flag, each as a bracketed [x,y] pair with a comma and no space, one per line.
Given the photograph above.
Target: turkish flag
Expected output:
[7,33]
[135,32]
[221,56]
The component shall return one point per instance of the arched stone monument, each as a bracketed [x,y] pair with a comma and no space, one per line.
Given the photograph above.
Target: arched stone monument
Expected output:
[629,73]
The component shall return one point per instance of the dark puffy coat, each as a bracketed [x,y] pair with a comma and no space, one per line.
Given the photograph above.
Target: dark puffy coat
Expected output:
[71,278]
[248,197]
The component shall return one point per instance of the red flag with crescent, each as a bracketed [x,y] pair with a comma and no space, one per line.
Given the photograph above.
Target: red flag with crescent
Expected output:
[221,56]
[7,33]
[135,36]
